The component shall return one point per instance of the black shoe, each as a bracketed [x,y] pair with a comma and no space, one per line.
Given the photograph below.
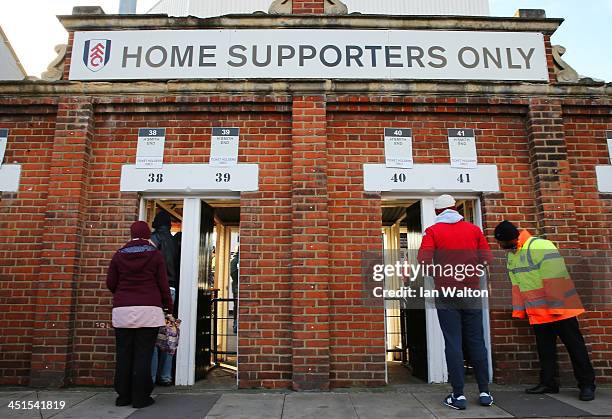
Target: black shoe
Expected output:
[147,402]
[587,394]
[122,401]
[164,383]
[541,389]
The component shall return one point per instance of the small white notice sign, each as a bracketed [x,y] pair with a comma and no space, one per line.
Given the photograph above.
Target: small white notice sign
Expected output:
[224,146]
[9,177]
[462,146]
[609,138]
[3,139]
[150,151]
[398,148]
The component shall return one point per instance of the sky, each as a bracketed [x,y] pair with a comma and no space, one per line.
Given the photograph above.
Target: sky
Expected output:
[33,29]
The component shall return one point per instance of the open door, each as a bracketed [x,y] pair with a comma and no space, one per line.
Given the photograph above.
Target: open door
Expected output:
[206,293]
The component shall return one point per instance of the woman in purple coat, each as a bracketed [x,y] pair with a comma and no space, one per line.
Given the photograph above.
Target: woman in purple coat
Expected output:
[137,279]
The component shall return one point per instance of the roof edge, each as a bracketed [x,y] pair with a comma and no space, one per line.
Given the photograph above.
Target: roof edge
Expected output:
[274,87]
[353,21]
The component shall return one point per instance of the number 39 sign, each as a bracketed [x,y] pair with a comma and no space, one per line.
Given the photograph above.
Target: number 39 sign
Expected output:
[224,146]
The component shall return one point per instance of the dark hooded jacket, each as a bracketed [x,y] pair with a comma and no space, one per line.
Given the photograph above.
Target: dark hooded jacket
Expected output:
[137,277]
[162,238]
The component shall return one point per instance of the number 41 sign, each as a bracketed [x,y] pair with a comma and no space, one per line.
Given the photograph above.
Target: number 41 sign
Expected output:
[462,147]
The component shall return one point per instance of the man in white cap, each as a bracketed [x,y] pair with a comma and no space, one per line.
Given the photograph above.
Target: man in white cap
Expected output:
[453,242]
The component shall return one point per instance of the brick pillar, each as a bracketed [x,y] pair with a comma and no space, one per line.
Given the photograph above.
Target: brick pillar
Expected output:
[310,246]
[56,289]
[555,207]
[315,7]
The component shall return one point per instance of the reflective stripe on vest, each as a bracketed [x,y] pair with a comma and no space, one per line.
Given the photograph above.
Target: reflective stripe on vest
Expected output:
[534,266]
[539,289]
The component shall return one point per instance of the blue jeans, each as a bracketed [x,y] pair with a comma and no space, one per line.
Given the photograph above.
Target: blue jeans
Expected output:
[162,358]
[165,360]
[456,325]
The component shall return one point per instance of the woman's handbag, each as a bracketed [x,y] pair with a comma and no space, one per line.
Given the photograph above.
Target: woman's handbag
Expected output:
[168,336]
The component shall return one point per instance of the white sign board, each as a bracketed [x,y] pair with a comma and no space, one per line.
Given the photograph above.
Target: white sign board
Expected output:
[604,178]
[9,177]
[430,178]
[398,148]
[462,146]
[609,138]
[190,178]
[308,54]
[3,140]
[150,151]
[224,146]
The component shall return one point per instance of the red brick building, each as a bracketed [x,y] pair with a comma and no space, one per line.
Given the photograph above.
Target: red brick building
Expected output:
[303,323]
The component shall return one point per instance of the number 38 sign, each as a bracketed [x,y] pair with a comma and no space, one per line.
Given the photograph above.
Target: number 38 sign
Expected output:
[150,151]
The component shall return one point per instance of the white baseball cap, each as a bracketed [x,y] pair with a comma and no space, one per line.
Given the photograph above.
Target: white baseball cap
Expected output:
[444,201]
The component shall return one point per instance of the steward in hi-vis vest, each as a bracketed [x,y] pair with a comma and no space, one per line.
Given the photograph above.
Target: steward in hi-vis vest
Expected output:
[543,291]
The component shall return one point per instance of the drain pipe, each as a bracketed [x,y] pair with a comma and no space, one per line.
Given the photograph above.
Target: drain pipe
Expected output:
[127,7]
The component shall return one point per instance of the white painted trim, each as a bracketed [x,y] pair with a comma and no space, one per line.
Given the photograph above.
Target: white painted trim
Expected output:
[431,178]
[436,360]
[190,178]
[180,195]
[486,321]
[185,355]
[142,210]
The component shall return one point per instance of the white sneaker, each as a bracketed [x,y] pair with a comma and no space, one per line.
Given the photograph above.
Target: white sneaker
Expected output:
[485,399]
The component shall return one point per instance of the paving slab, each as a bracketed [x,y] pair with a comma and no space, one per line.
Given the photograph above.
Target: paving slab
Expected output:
[71,398]
[433,402]
[100,406]
[318,406]
[534,405]
[601,406]
[248,406]
[388,406]
[188,406]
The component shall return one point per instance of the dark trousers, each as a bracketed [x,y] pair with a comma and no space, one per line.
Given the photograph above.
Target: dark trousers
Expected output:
[133,367]
[569,332]
[458,324]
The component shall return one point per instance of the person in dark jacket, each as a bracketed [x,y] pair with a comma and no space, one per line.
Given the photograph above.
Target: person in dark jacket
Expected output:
[161,362]
[451,241]
[137,279]
[234,269]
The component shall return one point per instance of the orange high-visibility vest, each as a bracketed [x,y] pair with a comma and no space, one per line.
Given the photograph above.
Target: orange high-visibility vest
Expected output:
[542,288]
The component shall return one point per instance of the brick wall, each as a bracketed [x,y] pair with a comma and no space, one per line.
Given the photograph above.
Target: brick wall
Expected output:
[265,256]
[22,222]
[301,286]
[308,6]
[586,147]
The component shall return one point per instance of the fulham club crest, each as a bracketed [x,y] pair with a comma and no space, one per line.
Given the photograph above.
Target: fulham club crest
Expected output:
[96,53]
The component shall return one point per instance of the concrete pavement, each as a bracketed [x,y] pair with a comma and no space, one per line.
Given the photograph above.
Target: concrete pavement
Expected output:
[423,401]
